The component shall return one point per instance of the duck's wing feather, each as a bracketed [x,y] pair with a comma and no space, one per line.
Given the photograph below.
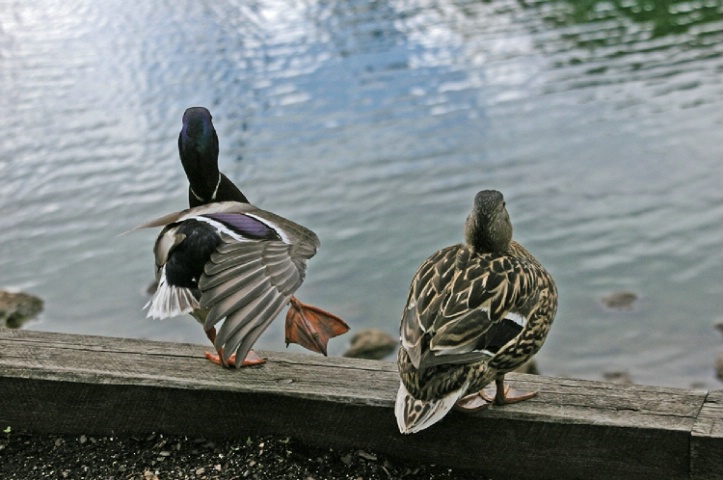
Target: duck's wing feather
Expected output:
[463,307]
[257,264]
[256,268]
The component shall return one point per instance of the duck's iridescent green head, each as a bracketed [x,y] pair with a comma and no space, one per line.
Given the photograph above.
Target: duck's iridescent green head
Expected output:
[488,227]
[198,148]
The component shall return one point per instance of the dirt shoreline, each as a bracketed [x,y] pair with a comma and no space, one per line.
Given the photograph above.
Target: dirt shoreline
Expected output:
[159,457]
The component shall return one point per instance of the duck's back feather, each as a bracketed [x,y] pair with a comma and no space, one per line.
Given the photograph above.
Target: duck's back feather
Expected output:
[463,306]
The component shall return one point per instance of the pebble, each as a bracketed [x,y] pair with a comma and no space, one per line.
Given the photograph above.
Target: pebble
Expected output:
[18,308]
[124,458]
[623,300]
[622,378]
[367,456]
[372,344]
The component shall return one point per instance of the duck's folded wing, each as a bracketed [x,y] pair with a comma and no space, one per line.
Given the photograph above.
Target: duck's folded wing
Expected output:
[247,283]
[471,317]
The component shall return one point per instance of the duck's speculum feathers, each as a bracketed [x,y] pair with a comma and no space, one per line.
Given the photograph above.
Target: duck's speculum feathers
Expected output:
[246,226]
[311,327]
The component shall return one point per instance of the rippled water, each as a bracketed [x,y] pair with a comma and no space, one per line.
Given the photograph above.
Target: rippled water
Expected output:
[375,123]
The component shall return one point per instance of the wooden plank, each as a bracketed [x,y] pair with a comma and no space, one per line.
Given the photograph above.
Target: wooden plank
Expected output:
[573,429]
[706,446]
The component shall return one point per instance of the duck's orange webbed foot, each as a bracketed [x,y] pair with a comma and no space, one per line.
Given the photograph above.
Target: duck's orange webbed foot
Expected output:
[504,395]
[311,327]
[252,358]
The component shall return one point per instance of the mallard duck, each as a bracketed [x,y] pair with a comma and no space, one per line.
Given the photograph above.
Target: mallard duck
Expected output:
[232,261]
[226,259]
[475,311]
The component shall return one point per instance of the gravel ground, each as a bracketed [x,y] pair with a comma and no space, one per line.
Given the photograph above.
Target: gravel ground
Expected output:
[161,457]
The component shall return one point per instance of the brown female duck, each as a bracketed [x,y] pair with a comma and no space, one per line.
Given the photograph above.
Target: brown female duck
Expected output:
[475,312]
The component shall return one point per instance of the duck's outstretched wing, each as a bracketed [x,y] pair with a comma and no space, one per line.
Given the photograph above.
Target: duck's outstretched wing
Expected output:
[256,268]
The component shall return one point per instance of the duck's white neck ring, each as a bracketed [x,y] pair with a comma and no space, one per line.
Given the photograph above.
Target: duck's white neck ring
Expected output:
[213,195]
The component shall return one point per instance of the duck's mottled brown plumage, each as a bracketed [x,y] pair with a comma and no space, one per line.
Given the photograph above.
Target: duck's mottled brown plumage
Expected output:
[475,311]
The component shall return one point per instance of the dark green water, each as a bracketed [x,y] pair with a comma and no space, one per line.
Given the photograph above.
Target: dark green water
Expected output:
[375,123]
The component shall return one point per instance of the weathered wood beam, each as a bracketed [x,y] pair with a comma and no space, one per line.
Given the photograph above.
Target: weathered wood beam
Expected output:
[706,444]
[572,429]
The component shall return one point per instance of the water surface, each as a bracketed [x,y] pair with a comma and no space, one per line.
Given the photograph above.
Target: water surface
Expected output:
[375,123]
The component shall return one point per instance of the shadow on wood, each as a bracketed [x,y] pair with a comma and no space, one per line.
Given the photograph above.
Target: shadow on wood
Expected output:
[573,429]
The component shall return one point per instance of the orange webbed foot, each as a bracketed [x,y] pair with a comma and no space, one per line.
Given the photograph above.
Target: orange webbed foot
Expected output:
[510,395]
[472,403]
[252,358]
[311,327]
[507,395]
[504,395]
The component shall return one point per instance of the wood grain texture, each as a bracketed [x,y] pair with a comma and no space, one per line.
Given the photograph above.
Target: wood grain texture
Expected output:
[572,429]
[706,446]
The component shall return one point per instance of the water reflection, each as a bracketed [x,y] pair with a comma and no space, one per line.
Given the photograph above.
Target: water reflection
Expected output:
[375,123]
[663,17]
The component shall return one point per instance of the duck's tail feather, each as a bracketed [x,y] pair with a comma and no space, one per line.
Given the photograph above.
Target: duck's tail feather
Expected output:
[170,301]
[414,415]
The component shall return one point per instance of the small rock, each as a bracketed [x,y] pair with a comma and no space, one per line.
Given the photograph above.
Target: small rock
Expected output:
[83,439]
[200,471]
[719,326]
[367,455]
[346,459]
[622,378]
[623,300]
[372,344]
[18,308]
